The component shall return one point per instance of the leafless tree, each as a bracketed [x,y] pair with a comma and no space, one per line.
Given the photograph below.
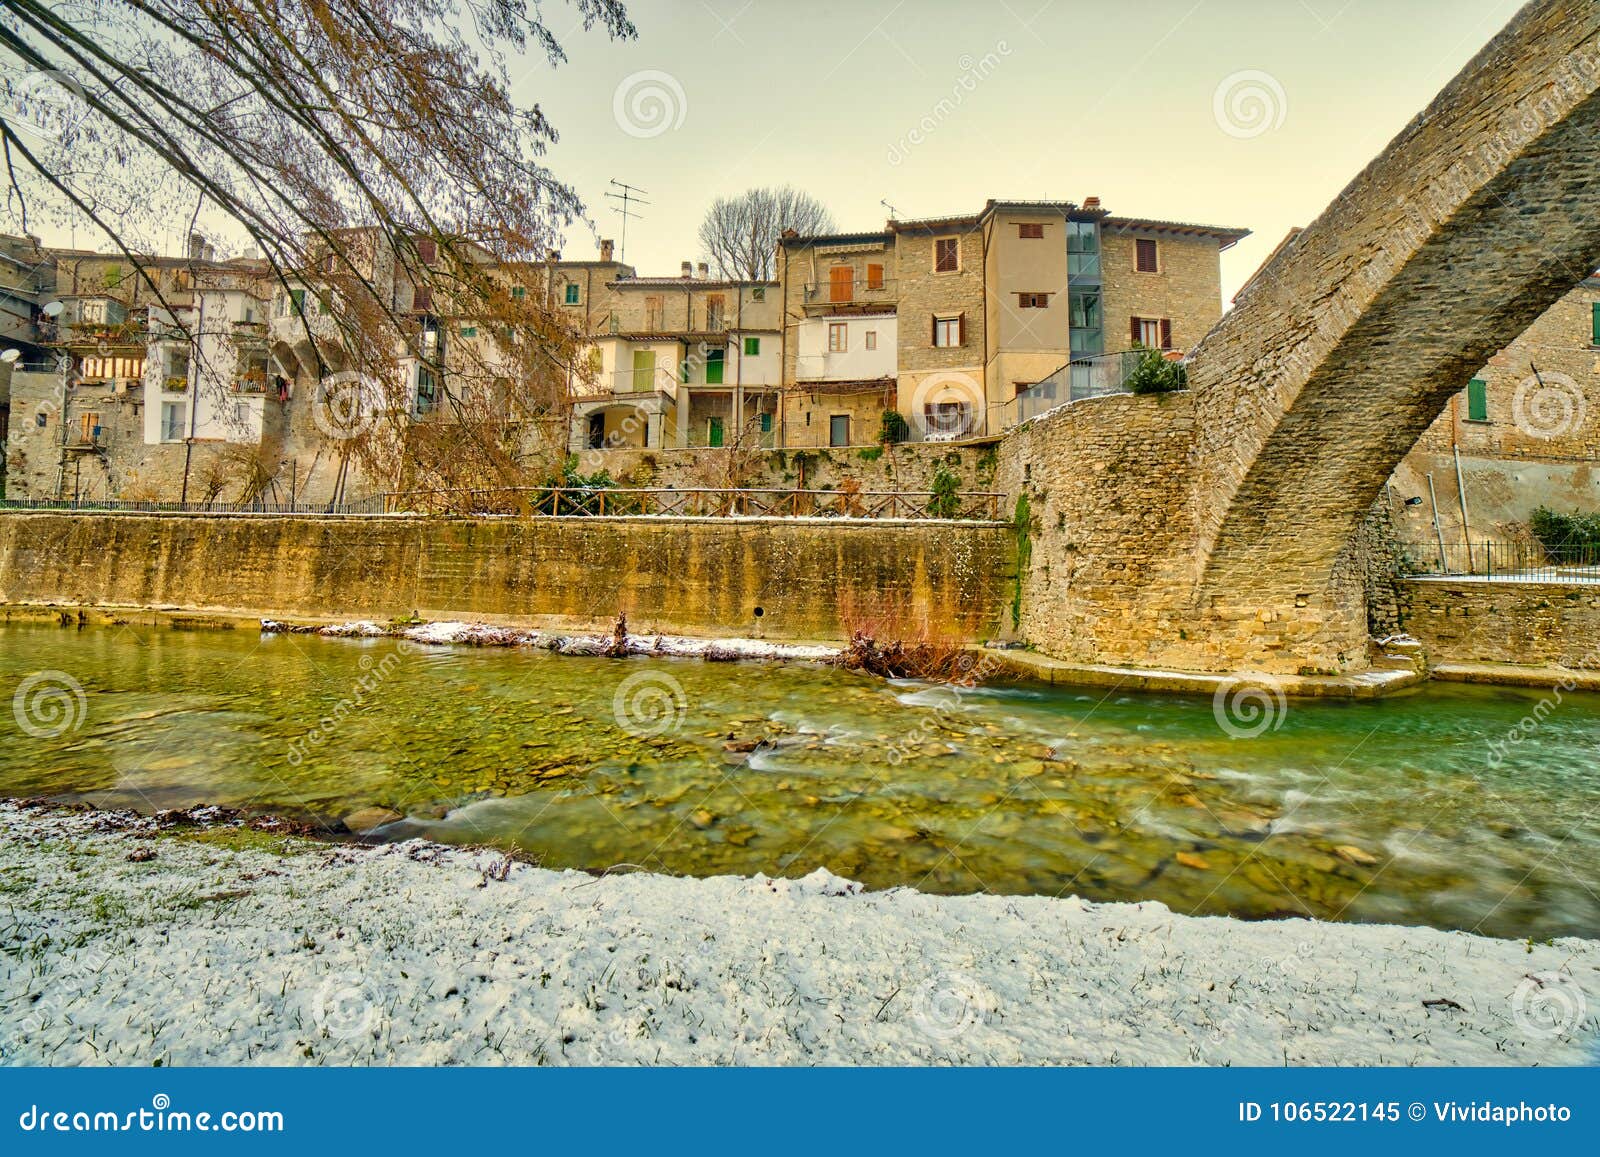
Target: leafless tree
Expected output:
[321,133]
[739,234]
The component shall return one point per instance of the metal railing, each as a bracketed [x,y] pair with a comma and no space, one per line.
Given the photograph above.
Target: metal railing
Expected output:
[1531,562]
[1094,376]
[567,502]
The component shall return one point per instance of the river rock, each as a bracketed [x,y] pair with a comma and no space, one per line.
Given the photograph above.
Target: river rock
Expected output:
[1355,855]
[1193,860]
[366,819]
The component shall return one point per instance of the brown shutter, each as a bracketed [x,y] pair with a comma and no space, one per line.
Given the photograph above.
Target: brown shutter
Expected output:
[1166,333]
[961,329]
[1133,326]
[933,332]
[421,299]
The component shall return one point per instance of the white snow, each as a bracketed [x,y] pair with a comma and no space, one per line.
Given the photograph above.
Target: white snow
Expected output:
[489,635]
[414,954]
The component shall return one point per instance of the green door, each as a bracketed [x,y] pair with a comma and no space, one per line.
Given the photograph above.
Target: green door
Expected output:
[644,369]
[714,367]
[714,432]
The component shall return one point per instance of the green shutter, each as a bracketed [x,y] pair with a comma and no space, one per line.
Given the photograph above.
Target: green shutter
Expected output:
[714,367]
[1478,400]
[1594,324]
[714,432]
[572,293]
[766,423]
[752,345]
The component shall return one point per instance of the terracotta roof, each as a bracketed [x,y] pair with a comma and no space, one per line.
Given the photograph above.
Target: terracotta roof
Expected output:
[1226,234]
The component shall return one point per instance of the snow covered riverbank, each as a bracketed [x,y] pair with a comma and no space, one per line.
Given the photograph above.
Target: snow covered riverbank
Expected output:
[130,945]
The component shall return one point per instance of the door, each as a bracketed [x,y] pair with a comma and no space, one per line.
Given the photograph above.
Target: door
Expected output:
[597,431]
[841,283]
[839,430]
[713,431]
[644,369]
[714,360]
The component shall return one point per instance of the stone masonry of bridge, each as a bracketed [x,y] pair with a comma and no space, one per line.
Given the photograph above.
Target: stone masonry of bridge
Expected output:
[1213,531]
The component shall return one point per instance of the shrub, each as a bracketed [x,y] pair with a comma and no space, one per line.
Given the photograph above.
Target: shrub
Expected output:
[945,501]
[1155,374]
[894,428]
[1566,535]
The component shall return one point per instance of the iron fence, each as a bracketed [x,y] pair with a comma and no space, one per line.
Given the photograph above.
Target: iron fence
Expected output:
[569,502]
[1577,563]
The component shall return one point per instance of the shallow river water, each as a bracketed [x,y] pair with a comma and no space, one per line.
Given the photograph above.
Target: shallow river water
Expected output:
[1412,809]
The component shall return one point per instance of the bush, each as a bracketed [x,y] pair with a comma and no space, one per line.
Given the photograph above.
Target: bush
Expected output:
[894,428]
[1155,374]
[945,501]
[1566,536]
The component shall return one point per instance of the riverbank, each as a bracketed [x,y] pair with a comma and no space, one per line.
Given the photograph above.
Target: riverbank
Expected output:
[130,943]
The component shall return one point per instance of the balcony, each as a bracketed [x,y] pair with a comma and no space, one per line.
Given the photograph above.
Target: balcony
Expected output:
[853,293]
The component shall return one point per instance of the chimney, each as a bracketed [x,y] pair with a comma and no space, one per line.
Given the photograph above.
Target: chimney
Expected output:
[702,267]
[554,254]
[1091,203]
[605,249]
[209,253]
[197,247]
[688,268]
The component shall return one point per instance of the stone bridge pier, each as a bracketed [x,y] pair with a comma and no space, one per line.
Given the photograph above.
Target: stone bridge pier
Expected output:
[1213,530]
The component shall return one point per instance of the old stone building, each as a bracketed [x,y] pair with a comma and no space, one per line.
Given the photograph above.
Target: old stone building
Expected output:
[995,316]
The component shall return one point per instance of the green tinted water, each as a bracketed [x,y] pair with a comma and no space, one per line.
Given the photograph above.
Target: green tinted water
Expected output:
[692,767]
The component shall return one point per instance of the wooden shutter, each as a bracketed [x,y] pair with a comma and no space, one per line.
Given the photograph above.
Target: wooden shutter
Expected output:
[1145,255]
[961,329]
[841,283]
[427,251]
[1166,333]
[1136,330]
[1594,335]
[421,298]
[874,277]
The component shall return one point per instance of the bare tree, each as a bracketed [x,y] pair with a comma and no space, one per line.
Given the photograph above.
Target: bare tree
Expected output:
[360,146]
[739,234]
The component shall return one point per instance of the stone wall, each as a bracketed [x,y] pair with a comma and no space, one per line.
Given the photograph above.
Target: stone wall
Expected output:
[908,466]
[766,579]
[1531,624]
[1187,287]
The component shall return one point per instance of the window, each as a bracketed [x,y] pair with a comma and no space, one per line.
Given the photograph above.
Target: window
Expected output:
[1594,324]
[766,423]
[874,277]
[759,293]
[1145,258]
[1033,301]
[752,347]
[427,251]
[88,427]
[172,421]
[714,362]
[1083,249]
[841,283]
[713,432]
[519,292]
[469,331]
[241,415]
[872,339]
[1030,230]
[839,430]
[297,301]
[946,255]
[715,312]
[947,331]
[421,299]
[41,419]
[652,314]
[1152,332]
[177,369]
[572,293]
[838,337]
[427,390]
[1477,400]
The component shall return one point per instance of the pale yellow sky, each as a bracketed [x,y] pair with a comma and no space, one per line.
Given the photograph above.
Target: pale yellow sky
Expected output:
[937,105]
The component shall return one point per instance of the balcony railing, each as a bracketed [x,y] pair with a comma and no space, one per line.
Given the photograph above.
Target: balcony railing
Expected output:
[1507,561]
[1081,378]
[857,291]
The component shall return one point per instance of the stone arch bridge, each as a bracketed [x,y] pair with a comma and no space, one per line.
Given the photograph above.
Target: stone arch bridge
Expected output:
[1213,530]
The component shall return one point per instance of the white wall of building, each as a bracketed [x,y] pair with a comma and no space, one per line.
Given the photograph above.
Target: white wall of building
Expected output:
[815,362]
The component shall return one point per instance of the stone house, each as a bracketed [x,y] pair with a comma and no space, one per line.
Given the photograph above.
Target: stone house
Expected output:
[1022,304]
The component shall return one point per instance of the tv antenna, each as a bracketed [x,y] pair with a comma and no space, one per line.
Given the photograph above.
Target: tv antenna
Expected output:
[892,213]
[629,197]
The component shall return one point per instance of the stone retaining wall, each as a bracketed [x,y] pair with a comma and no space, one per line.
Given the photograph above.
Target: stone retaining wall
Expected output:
[1532,624]
[785,580]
